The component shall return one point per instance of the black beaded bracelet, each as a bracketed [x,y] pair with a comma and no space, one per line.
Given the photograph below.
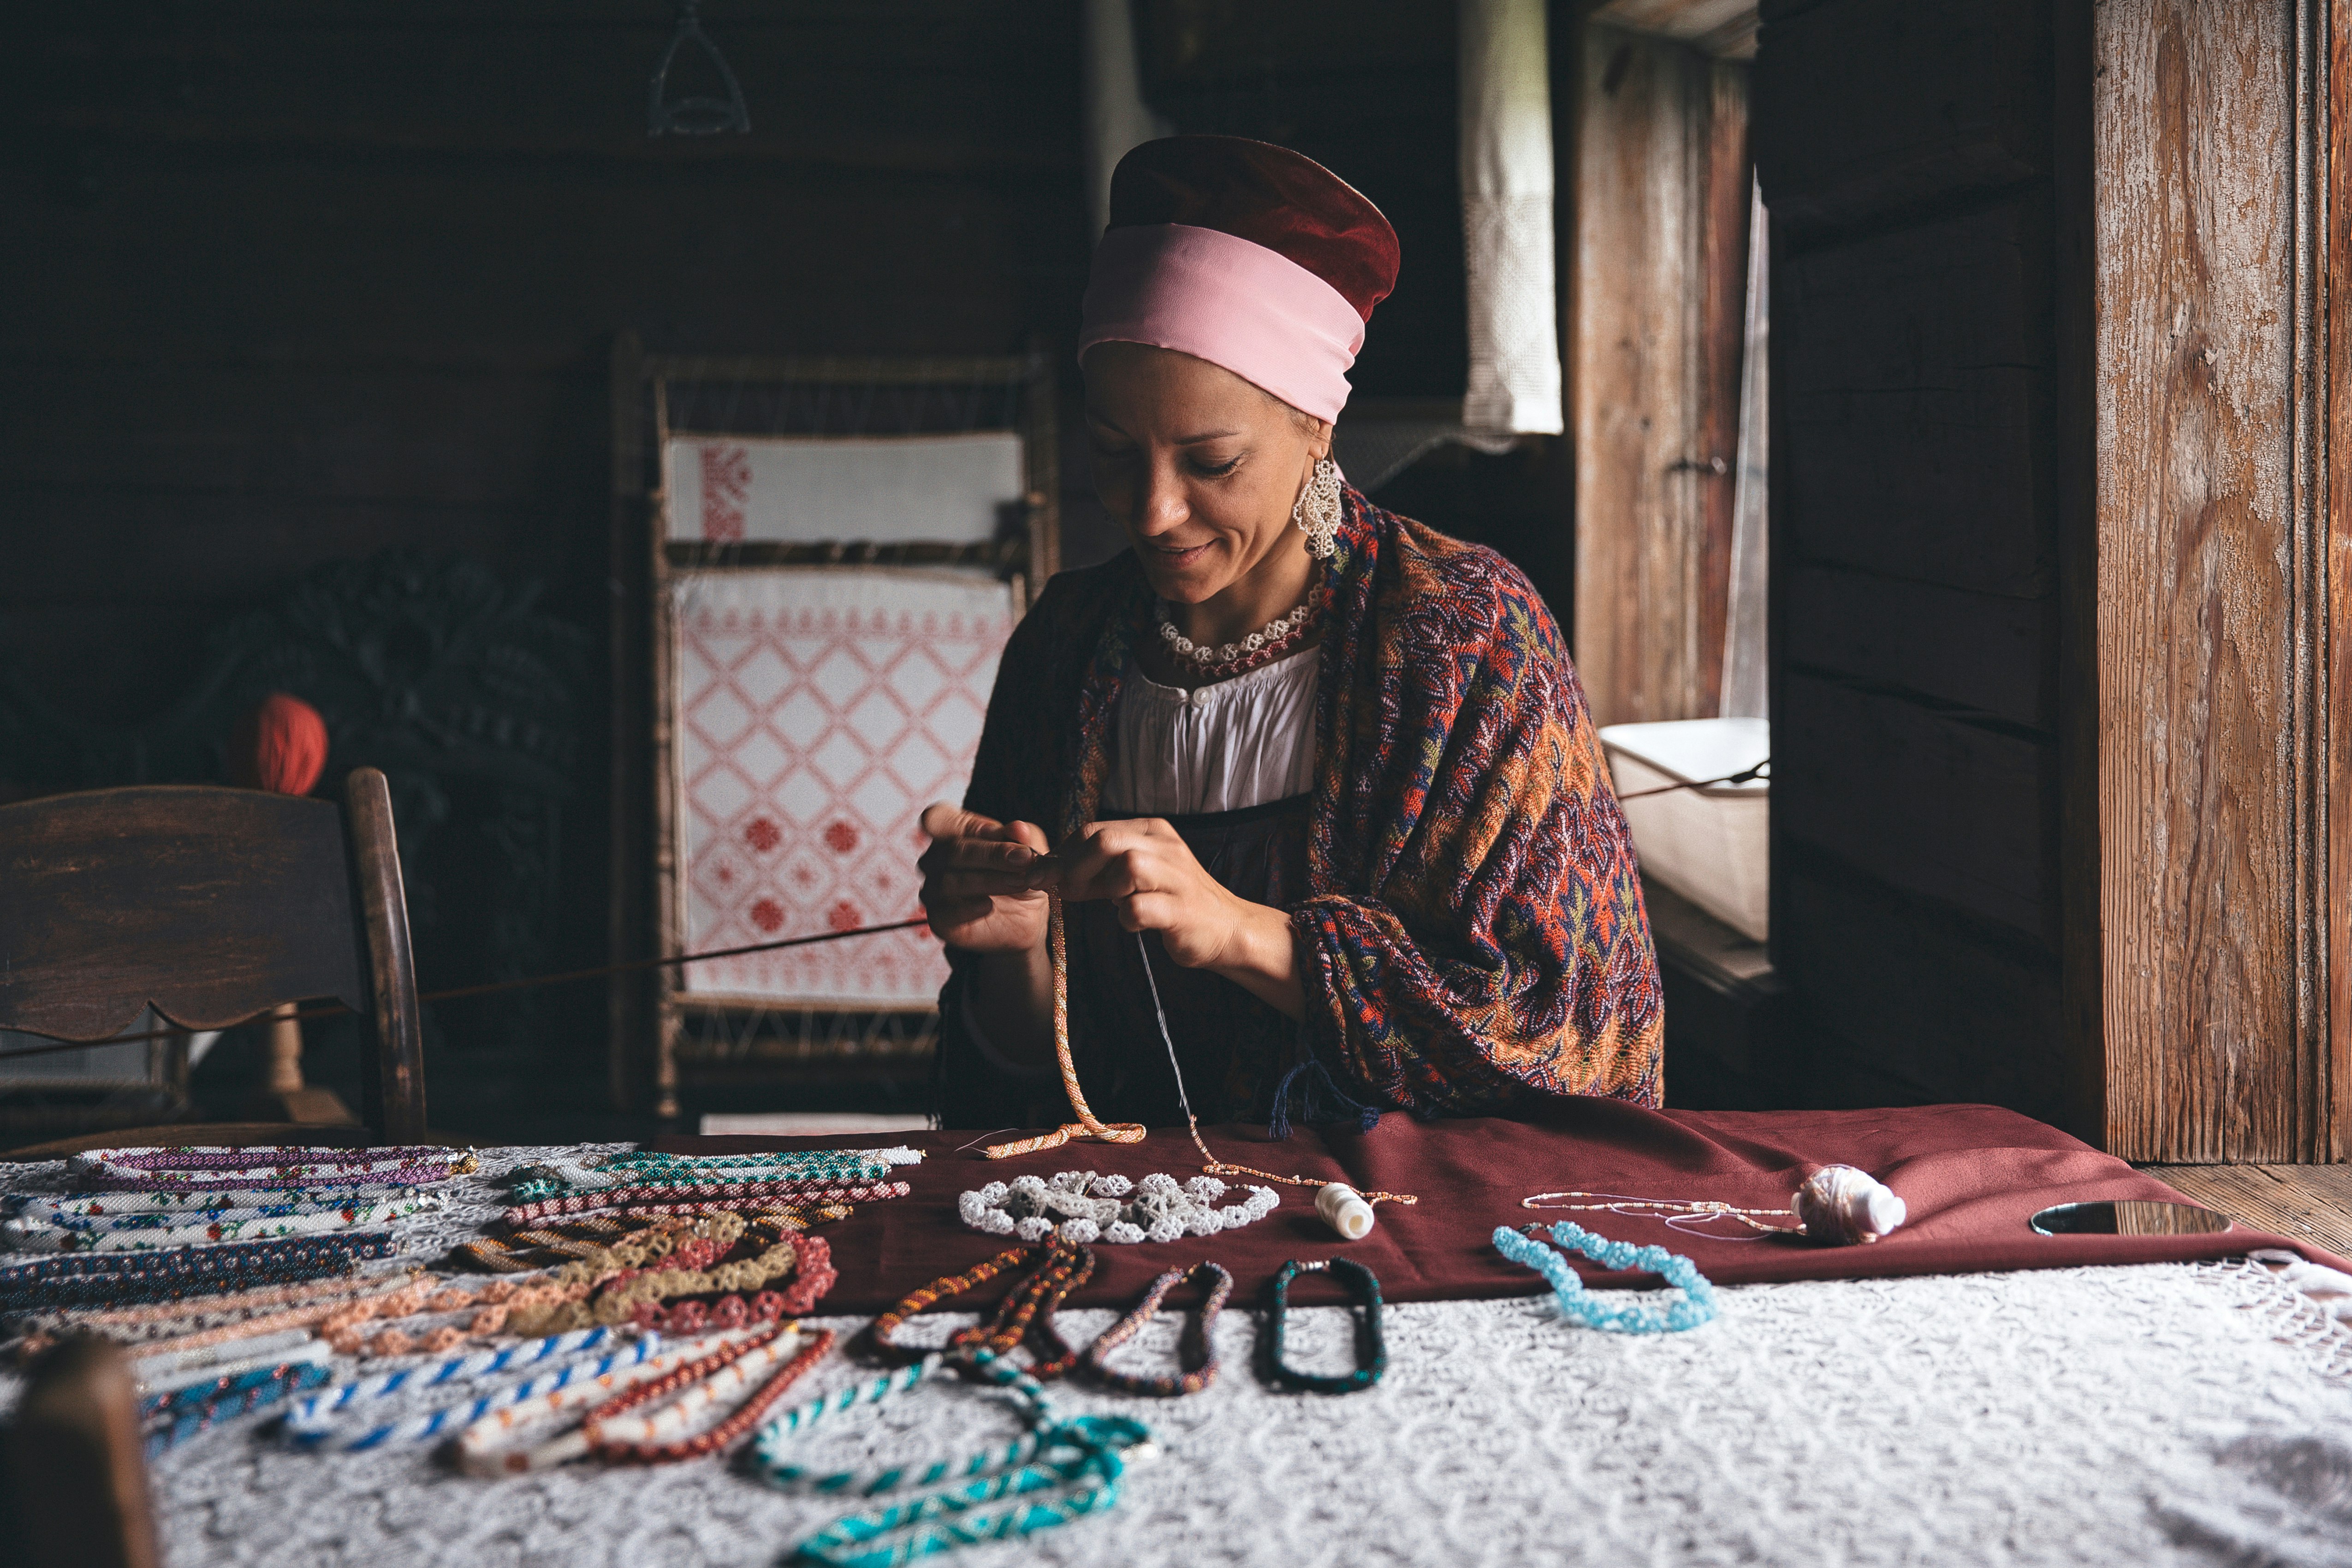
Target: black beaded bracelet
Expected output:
[1198,1337]
[1371,1355]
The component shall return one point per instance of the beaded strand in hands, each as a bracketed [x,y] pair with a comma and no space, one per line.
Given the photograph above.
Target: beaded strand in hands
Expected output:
[1209,1163]
[1085,1126]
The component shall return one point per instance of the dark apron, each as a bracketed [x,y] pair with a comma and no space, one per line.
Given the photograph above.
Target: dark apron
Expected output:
[1233,1047]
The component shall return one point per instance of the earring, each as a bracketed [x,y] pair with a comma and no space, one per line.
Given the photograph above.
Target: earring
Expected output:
[1316,511]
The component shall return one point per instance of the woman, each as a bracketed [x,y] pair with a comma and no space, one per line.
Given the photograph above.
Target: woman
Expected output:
[1327,771]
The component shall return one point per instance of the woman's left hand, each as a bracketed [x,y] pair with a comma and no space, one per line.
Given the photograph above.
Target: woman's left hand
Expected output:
[1150,874]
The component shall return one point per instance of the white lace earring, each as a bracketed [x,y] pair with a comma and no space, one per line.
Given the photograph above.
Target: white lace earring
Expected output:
[1316,511]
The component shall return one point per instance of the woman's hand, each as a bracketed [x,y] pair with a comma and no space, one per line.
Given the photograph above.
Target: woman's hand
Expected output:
[1150,874]
[978,891]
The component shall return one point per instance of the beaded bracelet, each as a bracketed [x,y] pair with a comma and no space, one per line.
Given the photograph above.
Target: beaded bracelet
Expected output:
[255,1391]
[1584,1308]
[884,1327]
[772,1454]
[1372,1356]
[554,1177]
[611,1198]
[813,1277]
[312,1423]
[1199,1334]
[621,1298]
[111,1278]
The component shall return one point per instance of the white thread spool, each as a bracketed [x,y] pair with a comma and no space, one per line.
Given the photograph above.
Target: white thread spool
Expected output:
[1842,1205]
[1344,1210]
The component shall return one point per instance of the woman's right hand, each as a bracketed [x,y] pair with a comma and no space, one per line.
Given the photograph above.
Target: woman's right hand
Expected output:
[976,887]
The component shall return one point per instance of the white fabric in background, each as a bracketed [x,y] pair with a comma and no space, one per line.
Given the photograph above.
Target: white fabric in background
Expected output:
[1235,743]
[804,489]
[818,710]
[1118,119]
[2167,1415]
[1506,218]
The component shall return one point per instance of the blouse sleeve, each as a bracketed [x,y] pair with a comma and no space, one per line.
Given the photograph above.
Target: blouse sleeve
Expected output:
[1500,950]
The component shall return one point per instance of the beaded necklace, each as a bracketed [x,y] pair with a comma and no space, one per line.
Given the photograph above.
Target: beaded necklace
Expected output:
[1840,1205]
[228,1315]
[1109,1209]
[111,1278]
[808,1257]
[1061,1267]
[1198,1338]
[610,1433]
[115,1206]
[272,1167]
[615,1438]
[1371,1354]
[161,1385]
[556,1178]
[1583,1307]
[314,1422]
[183,1417]
[1080,1460]
[490,1421]
[157,1231]
[609,1198]
[1260,648]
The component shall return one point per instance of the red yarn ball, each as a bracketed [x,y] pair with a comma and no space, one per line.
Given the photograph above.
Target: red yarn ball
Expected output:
[280,746]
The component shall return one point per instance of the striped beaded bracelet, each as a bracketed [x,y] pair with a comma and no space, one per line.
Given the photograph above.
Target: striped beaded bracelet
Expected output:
[1199,1335]
[1371,1354]
[616,1438]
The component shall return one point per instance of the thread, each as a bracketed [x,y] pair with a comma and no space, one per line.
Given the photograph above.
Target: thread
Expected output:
[1343,1208]
[1840,1205]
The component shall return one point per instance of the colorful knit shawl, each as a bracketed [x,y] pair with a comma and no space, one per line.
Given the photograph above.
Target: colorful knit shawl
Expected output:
[1475,933]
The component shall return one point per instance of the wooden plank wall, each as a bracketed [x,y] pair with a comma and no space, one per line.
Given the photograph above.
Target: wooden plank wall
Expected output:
[1905,158]
[2213,630]
[1660,196]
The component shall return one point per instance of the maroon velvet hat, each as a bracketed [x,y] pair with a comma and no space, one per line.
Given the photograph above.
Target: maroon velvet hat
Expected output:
[1245,255]
[1269,195]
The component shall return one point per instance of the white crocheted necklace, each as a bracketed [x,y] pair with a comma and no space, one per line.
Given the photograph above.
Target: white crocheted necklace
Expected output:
[1263,646]
[1080,1207]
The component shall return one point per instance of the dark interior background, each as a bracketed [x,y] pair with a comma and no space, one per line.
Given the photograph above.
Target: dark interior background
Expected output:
[294,285]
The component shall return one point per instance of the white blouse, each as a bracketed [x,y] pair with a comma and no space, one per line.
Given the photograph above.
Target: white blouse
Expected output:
[1238,742]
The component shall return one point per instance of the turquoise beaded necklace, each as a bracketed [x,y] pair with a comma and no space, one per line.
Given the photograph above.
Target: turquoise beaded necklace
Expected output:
[1584,1307]
[1060,1470]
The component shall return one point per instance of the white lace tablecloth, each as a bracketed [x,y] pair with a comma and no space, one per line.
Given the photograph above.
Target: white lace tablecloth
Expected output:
[2165,1414]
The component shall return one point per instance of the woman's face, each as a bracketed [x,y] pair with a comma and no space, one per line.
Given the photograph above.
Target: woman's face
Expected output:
[1201,468]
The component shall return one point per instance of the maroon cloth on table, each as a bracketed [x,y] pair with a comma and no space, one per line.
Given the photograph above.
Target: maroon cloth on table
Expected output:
[1971,1175]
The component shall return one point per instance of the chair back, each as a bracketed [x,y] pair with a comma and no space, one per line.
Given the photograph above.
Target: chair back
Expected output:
[213,905]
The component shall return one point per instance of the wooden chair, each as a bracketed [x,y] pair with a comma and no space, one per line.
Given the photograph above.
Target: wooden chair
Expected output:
[76,1478]
[212,905]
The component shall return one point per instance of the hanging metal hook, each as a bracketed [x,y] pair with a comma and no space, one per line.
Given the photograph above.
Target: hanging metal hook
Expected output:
[694,116]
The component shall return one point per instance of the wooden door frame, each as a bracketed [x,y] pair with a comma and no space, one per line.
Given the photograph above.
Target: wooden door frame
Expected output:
[2207,841]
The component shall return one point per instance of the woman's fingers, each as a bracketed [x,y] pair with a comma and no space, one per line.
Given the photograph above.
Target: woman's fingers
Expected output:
[944,819]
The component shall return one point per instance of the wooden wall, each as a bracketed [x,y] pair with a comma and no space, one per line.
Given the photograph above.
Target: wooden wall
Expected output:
[2214,629]
[1658,264]
[287,284]
[1906,158]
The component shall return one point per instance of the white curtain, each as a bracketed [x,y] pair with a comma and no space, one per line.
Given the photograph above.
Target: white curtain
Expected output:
[1506,218]
[1118,119]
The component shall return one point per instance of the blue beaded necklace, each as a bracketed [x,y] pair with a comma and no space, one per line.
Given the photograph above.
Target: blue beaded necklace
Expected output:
[1584,1307]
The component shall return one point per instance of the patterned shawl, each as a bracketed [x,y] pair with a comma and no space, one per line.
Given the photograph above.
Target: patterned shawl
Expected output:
[1475,933]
